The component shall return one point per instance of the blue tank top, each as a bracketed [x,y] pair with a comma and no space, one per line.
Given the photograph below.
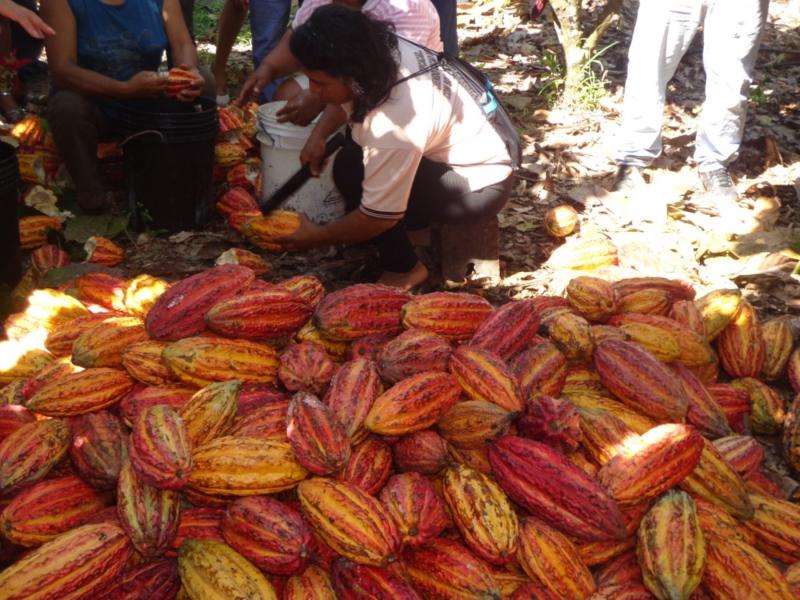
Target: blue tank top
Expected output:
[119,41]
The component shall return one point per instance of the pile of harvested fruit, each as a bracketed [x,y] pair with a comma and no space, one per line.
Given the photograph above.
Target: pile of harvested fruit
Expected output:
[226,437]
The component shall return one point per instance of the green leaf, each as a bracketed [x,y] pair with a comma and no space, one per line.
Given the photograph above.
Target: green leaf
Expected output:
[82,227]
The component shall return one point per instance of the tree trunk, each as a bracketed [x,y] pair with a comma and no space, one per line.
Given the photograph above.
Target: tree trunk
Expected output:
[579,47]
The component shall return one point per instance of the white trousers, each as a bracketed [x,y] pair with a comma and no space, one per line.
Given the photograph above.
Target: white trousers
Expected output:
[664,29]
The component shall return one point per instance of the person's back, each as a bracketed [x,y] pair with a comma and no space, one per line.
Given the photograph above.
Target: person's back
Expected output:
[119,40]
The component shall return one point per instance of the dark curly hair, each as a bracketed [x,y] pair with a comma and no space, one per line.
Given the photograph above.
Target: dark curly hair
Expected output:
[348,45]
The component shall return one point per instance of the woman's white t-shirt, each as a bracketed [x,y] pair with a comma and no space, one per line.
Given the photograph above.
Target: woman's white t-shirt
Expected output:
[432,116]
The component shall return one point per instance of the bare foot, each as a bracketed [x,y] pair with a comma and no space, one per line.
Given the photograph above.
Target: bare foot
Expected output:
[405,281]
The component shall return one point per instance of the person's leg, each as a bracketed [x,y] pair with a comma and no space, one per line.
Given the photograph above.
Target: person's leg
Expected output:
[448,25]
[231,20]
[732,34]
[77,125]
[661,36]
[268,22]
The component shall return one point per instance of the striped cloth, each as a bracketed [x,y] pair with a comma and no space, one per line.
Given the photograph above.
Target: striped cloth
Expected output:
[416,20]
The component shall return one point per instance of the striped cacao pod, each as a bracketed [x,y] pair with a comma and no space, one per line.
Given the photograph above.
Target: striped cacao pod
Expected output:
[632,419]
[103,344]
[30,452]
[262,231]
[268,533]
[453,315]
[102,251]
[792,575]
[776,526]
[311,584]
[742,452]
[369,466]
[413,351]
[678,290]
[572,335]
[180,311]
[306,287]
[715,480]
[82,392]
[585,254]
[48,257]
[149,515]
[423,451]
[211,569]
[141,399]
[352,581]
[143,362]
[791,435]
[360,310]
[704,412]
[593,298]
[99,448]
[210,412]
[687,314]
[604,435]
[508,330]
[101,288]
[12,417]
[661,344]
[141,293]
[350,521]
[306,367]
[715,520]
[200,361]
[717,309]
[245,258]
[353,390]
[548,557]
[81,563]
[778,343]
[49,372]
[741,345]
[155,580]
[415,507]
[647,301]
[735,570]
[552,421]
[693,350]
[655,462]
[197,524]
[160,449]
[413,404]
[33,230]
[671,547]
[540,370]
[735,403]
[484,376]
[767,407]
[545,483]
[244,467]
[234,200]
[259,315]
[482,514]
[266,422]
[49,508]
[61,337]
[474,423]
[446,570]
[317,438]
[640,381]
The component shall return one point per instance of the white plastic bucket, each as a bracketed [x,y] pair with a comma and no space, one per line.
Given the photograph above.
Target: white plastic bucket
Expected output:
[281,143]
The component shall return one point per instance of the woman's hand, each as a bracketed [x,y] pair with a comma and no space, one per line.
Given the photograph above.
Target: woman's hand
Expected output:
[300,110]
[313,154]
[254,84]
[191,92]
[308,235]
[27,19]
[144,84]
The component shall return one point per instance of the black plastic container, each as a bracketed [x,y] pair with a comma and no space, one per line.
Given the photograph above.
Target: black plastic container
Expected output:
[10,256]
[169,161]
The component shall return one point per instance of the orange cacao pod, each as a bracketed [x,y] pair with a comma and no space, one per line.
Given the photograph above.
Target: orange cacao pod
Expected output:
[647,301]
[227,154]
[102,251]
[741,345]
[413,404]
[778,343]
[311,584]
[245,258]
[33,230]
[735,403]
[540,370]
[319,441]
[593,298]
[306,287]
[104,289]
[350,521]
[585,254]
[560,220]
[210,412]
[160,450]
[776,526]
[572,335]
[141,293]
[103,344]
[140,399]
[264,230]
[483,376]
[453,315]
[474,423]
[352,392]
[267,422]
[305,367]
[236,199]
[82,392]
[61,337]
[360,310]
[369,465]
[143,362]
[742,452]
[180,311]
[48,257]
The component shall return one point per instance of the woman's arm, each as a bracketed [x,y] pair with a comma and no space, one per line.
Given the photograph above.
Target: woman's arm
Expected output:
[28,19]
[62,58]
[313,153]
[184,52]
[278,63]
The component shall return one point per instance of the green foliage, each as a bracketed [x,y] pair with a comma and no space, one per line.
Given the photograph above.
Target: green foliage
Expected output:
[591,87]
[206,19]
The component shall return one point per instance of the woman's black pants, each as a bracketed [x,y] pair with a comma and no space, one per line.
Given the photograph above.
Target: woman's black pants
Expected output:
[438,195]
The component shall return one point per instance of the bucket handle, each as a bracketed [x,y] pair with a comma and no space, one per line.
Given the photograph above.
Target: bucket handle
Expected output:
[140,133]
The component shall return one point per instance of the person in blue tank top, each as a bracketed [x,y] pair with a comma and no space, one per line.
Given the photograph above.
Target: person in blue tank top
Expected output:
[107,50]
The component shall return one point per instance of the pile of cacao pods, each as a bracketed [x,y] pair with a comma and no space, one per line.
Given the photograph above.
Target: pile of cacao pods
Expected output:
[228,437]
